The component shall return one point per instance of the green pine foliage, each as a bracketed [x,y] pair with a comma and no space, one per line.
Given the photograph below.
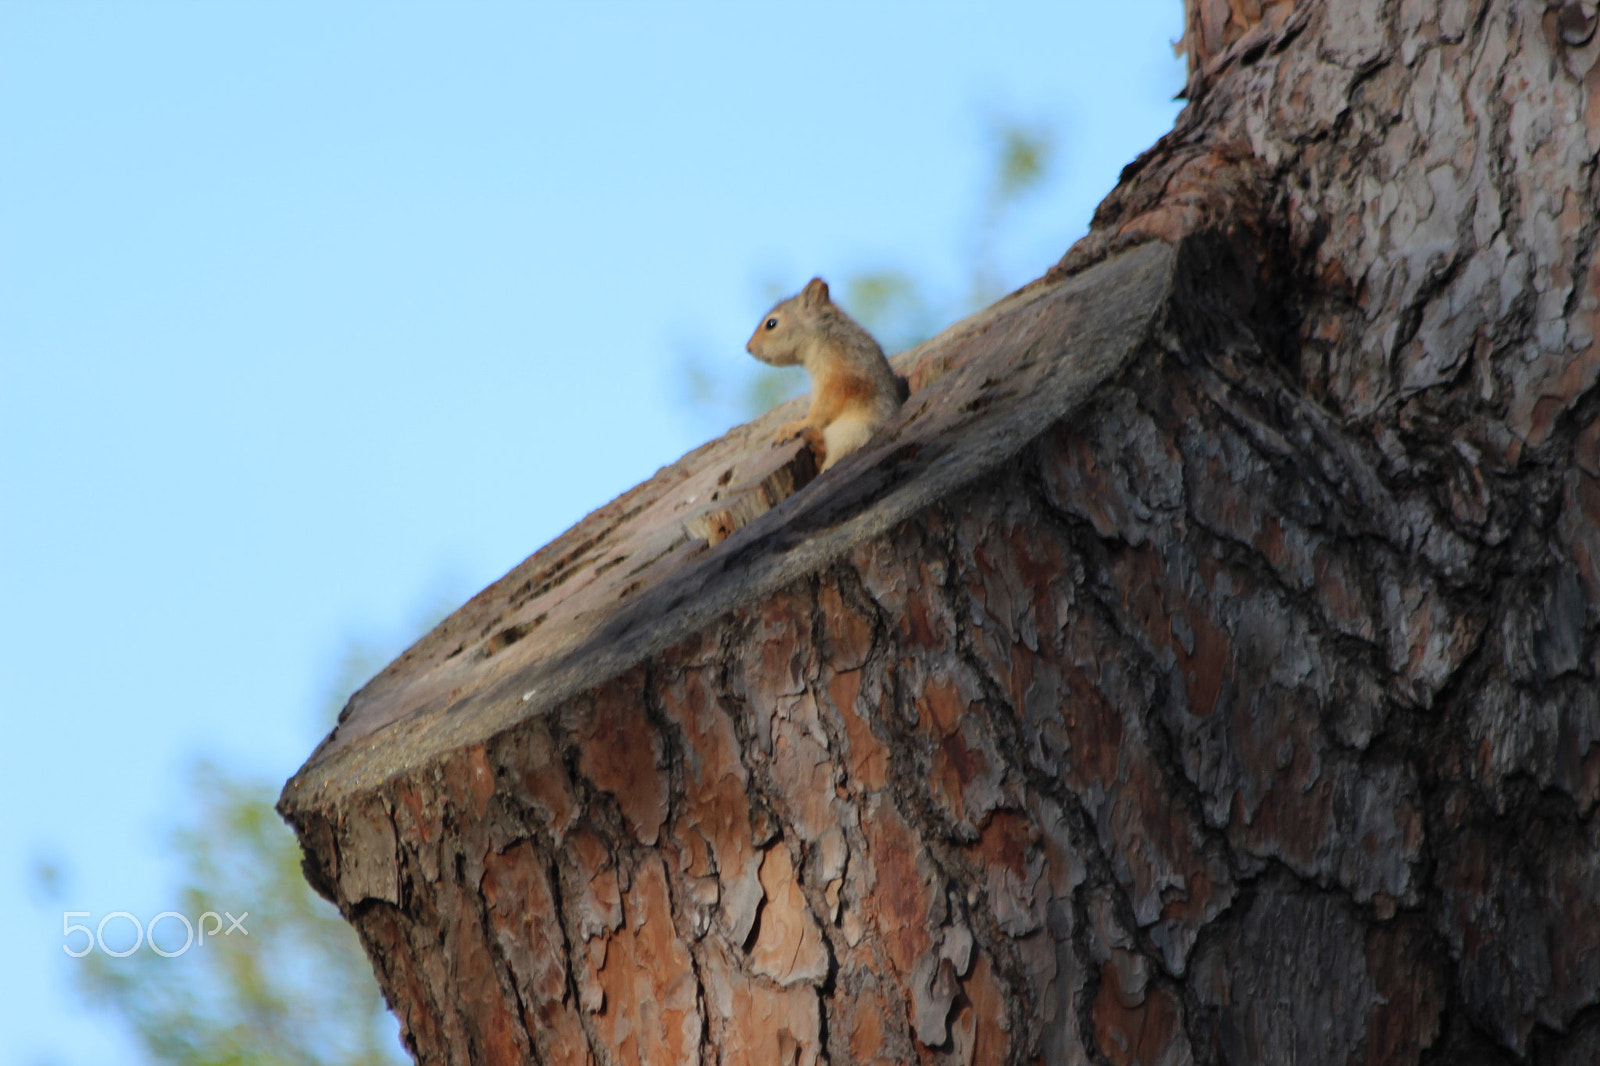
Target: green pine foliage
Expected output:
[293,987]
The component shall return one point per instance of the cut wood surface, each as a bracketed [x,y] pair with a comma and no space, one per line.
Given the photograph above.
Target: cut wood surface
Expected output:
[1203,668]
[638,574]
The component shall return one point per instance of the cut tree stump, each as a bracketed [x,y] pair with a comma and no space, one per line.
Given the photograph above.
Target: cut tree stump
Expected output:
[1202,668]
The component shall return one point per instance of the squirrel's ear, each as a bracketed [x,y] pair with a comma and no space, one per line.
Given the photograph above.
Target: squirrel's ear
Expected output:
[816,292]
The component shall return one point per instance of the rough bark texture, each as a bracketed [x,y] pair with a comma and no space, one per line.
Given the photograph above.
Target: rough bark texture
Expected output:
[1201,669]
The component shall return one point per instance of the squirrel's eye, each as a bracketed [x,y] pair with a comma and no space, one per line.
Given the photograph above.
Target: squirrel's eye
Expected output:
[772,323]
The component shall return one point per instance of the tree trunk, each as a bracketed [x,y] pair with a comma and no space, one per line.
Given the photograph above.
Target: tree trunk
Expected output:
[1201,669]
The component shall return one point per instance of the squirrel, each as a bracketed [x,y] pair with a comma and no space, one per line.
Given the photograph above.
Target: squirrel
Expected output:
[853,390]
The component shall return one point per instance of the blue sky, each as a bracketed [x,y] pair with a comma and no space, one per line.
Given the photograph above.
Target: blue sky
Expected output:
[314,317]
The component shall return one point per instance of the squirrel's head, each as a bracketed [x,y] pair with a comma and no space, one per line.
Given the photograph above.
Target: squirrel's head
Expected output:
[781,337]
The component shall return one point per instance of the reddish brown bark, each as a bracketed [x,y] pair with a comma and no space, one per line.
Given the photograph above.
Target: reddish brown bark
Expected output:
[1201,669]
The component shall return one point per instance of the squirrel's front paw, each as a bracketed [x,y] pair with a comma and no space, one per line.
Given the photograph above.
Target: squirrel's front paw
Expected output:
[788,431]
[810,434]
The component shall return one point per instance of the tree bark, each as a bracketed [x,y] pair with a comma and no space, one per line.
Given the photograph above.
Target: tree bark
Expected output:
[1202,669]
